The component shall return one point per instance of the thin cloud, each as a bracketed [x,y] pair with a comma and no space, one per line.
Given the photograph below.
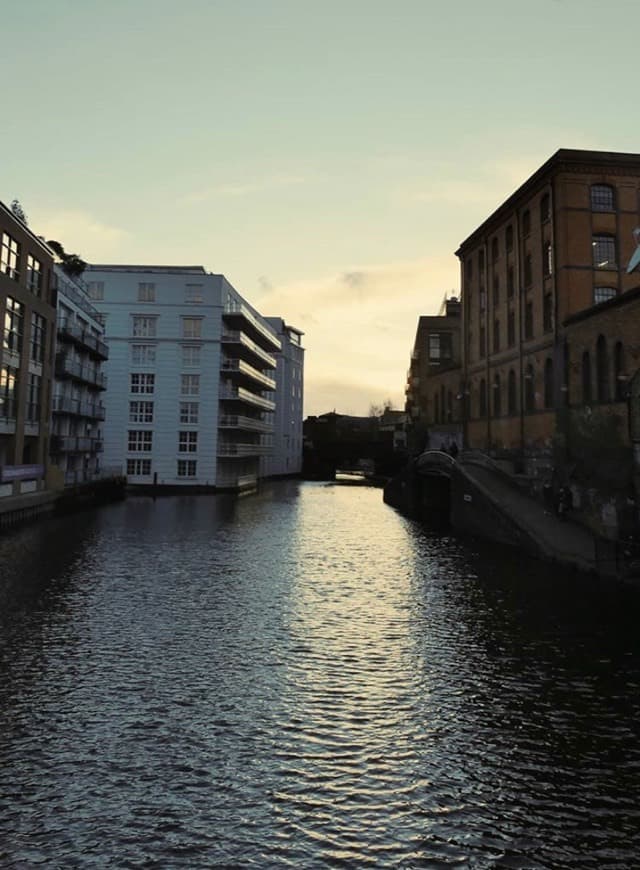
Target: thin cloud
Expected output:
[80,232]
[244,188]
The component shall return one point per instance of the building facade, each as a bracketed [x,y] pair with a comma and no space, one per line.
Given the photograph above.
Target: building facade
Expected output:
[285,458]
[78,410]
[558,246]
[434,391]
[27,309]
[191,377]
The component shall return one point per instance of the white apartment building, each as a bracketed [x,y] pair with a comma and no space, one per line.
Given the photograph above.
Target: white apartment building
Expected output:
[285,459]
[191,387]
[77,407]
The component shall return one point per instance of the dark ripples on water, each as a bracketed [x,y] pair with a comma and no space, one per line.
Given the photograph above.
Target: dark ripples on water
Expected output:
[307,679]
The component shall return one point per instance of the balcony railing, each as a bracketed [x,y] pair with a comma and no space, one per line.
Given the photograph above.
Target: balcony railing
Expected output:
[239,310]
[236,481]
[75,444]
[75,478]
[84,338]
[243,449]
[235,337]
[78,408]
[243,369]
[249,424]
[68,368]
[239,394]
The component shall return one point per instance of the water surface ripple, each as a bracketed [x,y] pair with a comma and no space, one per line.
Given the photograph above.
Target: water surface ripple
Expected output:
[306,679]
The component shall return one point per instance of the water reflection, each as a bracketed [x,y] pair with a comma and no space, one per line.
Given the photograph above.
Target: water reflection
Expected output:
[307,679]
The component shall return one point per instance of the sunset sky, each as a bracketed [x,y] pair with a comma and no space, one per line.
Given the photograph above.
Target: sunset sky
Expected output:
[327,158]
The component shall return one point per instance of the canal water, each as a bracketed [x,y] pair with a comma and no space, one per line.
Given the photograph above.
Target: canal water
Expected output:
[306,679]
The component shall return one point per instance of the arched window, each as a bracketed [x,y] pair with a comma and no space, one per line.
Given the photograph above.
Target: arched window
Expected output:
[494,249]
[497,396]
[548,383]
[526,223]
[587,394]
[602,294]
[602,197]
[620,385]
[482,404]
[512,398]
[529,389]
[544,208]
[602,369]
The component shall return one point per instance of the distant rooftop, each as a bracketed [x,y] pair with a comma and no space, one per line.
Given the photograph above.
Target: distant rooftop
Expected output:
[177,270]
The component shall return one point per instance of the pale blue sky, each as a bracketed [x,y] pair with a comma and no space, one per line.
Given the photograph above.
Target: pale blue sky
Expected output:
[327,158]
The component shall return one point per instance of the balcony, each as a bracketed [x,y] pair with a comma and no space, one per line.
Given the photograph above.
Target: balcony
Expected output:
[243,347]
[239,394]
[241,370]
[248,424]
[68,368]
[83,338]
[240,450]
[7,409]
[78,408]
[74,444]
[241,315]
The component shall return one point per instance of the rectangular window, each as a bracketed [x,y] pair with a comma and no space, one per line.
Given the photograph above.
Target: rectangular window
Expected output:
[139,441]
[143,383]
[191,355]
[146,292]
[141,412]
[511,329]
[189,412]
[190,385]
[192,327]
[187,442]
[528,320]
[547,259]
[496,290]
[143,354]
[95,289]
[186,468]
[34,275]
[528,271]
[38,333]
[139,467]
[193,293]
[34,386]
[511,284]
[144,327]
[440,346]
[496,336]
[13,326]
[604,252]
[9,253]
[547,312]
[8,391]
[481,342]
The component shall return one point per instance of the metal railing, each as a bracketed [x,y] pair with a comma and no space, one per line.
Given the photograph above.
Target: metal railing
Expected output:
[242,395]
[243,449]
[84,337]
[66,367]
[78,407]
[75,444]
[240,310]
[238,421]
[243,368]
[239,337]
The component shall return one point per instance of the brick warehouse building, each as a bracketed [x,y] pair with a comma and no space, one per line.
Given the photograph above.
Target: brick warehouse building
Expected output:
[551,319]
